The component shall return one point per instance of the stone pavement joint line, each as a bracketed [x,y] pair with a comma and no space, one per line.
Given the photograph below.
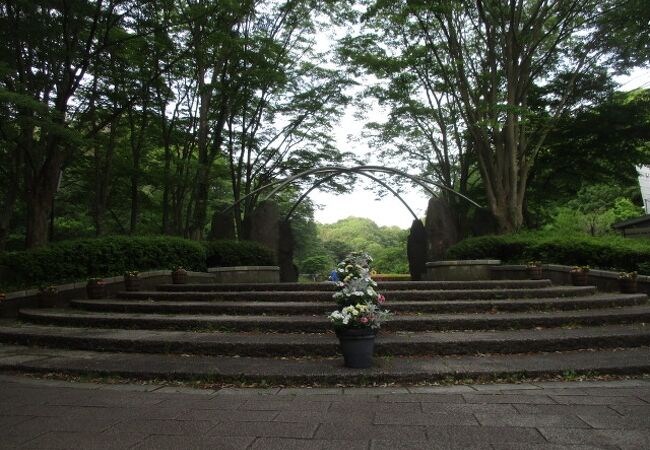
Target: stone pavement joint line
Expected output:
[47,414]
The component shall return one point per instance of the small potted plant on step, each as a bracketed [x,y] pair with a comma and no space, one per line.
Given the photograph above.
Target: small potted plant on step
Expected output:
[627,282]
[47,296]
[179,275]
[535,270]
[579,275]
[96,288]
[132,280]
[359,314]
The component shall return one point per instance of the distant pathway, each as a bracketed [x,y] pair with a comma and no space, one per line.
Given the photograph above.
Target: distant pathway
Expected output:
[551,416]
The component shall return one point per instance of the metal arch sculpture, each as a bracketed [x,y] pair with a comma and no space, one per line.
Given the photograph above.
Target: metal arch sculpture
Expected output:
[334,175]
[333,171]
[423,182]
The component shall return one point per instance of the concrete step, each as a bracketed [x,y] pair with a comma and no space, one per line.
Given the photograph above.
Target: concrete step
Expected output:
[320,371]
[391,295]
[301,308]
[325,344]
[328,286]
[318,323]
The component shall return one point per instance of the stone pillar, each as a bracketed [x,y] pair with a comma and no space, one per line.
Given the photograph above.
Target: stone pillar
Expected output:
[288,270]
[441,229]
[416,249]
[265,226]
[222,227]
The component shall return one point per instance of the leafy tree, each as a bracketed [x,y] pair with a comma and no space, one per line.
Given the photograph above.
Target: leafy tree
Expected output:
[49,48]
[316,265]
[491,58]
[284,103]
[142,116]
[338,249]
[624,209]
[624,33]
[593,211]
[387,245]
[600,145]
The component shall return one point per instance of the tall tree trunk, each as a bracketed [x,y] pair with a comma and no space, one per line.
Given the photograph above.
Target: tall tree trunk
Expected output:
[12,190]
[38,215]
[166,225]
[8,207]
[103,172]
[39,200]
[42,182]
[135,195]
[137,139]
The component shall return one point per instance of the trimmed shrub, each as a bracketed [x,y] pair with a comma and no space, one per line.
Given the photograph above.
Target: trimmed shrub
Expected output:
[226,253]
[605,252]
[102,257]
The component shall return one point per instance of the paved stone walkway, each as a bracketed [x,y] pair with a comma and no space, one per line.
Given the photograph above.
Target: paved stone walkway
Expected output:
[561,415]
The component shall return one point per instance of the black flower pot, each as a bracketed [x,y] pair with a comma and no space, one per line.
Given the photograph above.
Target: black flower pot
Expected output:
[357,346]
[579,278]
[627,286]
[47,299]
[96,290]
[179,277]
[132,284]
[535,272]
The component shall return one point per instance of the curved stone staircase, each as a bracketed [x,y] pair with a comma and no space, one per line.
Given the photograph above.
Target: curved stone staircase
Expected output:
[277,333]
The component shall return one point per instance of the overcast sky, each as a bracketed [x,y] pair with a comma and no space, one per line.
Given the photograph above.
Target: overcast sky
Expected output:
[389,211]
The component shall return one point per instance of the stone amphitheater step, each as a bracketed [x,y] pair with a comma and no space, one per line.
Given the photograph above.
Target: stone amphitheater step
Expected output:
[321,371]
[387,285]
[287,308]
[423,322]
[391,295]
[326,344]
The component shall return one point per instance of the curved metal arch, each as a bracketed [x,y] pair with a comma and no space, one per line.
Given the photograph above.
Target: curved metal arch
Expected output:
[420,181]
[351,170]
[360,168]
[307,192]
[262,188]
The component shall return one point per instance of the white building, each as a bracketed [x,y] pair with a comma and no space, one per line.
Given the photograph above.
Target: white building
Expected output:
[644,183]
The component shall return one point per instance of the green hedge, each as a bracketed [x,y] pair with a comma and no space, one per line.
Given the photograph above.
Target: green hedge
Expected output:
[79,259]
[237,253]
[605,252]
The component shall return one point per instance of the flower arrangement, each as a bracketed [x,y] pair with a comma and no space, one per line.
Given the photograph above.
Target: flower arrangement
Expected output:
[576,269]
[131,274]
[360,315]
[534,264]
[627,276]
[178,269]
[360,305]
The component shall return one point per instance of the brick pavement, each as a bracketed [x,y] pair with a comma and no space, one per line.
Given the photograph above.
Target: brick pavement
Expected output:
[44,414]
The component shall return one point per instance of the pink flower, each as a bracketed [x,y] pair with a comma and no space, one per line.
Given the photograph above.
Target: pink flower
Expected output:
[363,320]
[381,299]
